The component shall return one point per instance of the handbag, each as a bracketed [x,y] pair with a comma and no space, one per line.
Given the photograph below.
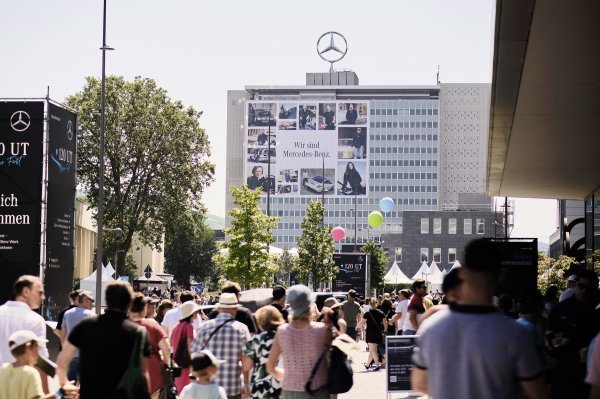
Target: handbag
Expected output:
[133,384]
[182,354]
[339,373]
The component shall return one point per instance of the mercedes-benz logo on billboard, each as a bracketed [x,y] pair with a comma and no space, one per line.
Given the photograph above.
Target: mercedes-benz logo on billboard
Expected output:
[20,121]
[332,50]
[70,130]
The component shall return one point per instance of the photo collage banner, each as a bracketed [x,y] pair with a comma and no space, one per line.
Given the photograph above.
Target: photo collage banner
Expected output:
[316,148]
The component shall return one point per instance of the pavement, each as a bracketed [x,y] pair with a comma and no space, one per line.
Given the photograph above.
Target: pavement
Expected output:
[371,384]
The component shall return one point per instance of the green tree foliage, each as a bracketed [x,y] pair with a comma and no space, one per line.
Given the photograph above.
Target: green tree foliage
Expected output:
[189,249]
[286,263]
[377,262]
[552,272]
[156,159]
[247,259]
[315,247]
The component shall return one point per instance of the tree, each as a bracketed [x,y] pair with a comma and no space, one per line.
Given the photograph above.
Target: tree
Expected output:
[247,259]
[553,272]
[156,159]
[315,247]
[189,248]
[287,264]
[377,263]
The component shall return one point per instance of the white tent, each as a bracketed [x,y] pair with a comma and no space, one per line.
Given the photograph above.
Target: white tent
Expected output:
[89,283]
[109,269]
[396,276]
[435,278]
[444,272]
[422,272]
[455,265]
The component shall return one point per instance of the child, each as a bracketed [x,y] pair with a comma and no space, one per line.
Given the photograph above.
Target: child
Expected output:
[204,369]
[20,380]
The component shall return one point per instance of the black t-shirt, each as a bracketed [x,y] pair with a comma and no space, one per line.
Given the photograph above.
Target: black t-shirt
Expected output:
[105,344]
[243,315]
[282,310]
[374,319]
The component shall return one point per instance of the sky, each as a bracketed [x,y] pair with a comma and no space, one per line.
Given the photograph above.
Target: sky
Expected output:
[197,50]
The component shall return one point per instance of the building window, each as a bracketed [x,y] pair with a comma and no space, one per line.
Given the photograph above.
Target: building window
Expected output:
[424,255]
[468,227]
[451,255]
[452,226]
[480,226]
[437,255]
[424,225]
[437,226]
[398,255]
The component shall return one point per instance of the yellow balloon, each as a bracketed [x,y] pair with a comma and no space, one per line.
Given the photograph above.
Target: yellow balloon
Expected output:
[375,219]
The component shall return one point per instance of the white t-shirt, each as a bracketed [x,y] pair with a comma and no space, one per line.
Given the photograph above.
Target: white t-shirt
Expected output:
[402,307]
[199,391]
[15,316]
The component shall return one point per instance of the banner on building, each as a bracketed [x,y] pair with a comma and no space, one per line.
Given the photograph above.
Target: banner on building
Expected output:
[352,272]
[21,168]
[313,148]
[60,230]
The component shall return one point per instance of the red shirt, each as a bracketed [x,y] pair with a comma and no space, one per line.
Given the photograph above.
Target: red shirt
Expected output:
[155,334]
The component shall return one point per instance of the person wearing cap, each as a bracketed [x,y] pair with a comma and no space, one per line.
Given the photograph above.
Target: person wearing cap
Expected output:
[59,321]
[489,353]
[243,314]
[72,317]
[330,315]
[279,301]
[301,342]
[105,343]
[19,314]
[204,370]
[226,338]
[184,330]
[257,352]
[20,380]
[570,291]
[152,302]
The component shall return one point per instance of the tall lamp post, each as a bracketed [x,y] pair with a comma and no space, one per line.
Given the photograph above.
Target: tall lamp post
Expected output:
[269,169]
[100,217]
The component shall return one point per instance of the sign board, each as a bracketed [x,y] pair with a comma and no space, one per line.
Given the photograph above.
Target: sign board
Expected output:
[352,272]
[519,257]
[399,350]
[21,168]
[313,148]
[60,217]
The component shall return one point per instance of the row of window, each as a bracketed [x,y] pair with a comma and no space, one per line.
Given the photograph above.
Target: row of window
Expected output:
[405,137]
[403,162]
[404,111]
[403,150]
[437,255]
[452,223]
[414,176]
[405,189]
[404,125]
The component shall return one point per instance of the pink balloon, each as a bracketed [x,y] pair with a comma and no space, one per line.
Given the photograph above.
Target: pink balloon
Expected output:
[338,233]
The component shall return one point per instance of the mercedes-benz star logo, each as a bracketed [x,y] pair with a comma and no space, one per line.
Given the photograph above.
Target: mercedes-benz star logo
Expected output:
[20,121]
[329,51]
[70,130]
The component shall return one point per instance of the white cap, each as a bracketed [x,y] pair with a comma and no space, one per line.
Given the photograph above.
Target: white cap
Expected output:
[22,337]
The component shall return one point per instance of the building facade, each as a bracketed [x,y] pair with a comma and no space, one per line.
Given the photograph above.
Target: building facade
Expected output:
[426,144]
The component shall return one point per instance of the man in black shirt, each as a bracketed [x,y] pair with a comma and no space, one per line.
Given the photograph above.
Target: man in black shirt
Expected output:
[243,314]
[72,297]
[105,344]
[279,301]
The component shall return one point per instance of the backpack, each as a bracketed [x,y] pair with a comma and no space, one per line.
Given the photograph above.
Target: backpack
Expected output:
[339,373]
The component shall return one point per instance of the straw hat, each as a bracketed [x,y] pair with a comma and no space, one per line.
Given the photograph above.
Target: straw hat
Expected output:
[188,309]
[228,300]
[332,303]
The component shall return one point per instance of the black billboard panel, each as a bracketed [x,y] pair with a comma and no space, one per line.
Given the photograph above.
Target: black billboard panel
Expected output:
[61,207]
[519,257]
[21,152]
[352,272]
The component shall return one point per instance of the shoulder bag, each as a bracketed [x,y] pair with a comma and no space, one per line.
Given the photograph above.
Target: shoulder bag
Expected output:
[182,353]
[133,384]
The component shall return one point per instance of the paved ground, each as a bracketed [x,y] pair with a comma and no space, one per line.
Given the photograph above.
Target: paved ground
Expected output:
[369,384]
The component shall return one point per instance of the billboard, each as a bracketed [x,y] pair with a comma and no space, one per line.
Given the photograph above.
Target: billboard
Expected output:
[352,272]
[313,148]
[21,166]
[60,215]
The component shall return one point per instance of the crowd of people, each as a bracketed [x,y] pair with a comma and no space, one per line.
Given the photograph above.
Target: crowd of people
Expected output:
[469,343]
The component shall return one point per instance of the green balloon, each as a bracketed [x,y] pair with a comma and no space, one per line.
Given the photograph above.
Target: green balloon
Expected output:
[375,219]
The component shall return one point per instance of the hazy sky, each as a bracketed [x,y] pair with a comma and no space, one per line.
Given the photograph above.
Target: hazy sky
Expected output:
[197,50]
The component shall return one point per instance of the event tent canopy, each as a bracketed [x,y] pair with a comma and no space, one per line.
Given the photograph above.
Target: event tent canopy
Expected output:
[396,276]
[422,272]
[435,275]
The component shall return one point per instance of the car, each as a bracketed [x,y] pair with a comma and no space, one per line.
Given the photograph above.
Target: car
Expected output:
[321,296]
[318,184]
[264,117]
[262,155]
[345,148]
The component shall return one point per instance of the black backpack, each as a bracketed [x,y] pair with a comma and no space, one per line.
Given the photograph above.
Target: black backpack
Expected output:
[339,373]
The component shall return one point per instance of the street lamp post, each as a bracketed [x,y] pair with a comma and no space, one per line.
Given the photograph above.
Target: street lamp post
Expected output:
[269,169]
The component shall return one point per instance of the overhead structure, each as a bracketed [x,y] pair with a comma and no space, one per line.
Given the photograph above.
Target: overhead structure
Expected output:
[396,276]
[422,273]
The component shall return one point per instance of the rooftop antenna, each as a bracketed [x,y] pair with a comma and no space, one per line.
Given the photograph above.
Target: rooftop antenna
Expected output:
[438,75]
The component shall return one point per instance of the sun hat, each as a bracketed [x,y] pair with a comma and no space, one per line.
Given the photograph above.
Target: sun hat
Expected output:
[204,359]
[300,297]
[188,308]
[332,303]
[22,337]
[228,300]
